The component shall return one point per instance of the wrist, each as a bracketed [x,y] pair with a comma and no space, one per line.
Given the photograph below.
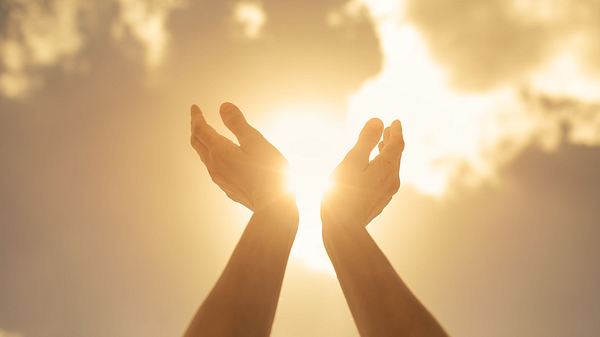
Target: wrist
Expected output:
[332,230]
[338,238]
[271,198]
[333,223]
[282,210]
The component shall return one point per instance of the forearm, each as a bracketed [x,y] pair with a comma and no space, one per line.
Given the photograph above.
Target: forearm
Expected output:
[380,302]
[244,300]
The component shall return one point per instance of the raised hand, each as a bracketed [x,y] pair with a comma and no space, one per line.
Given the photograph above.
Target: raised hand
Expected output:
[244,299]
[362,188]
[380,302]
[251,173]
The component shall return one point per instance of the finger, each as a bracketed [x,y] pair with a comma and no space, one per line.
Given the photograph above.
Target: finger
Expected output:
[386,134]
[196,114]
[236,122]
[200,149]
[390,188]
[202,131]
[393,148]
[386,137]
[388,160]
[196,144]
[367,140]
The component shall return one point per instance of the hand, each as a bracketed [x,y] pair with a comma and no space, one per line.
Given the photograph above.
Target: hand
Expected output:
[362,188]
[252,173]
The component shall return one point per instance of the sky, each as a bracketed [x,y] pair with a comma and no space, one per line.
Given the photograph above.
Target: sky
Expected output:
[110,226]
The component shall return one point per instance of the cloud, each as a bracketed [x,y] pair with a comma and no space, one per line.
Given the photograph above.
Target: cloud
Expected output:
[564,119]
[251,17]
[475,83]
[350,11]
[35,35]
[484,44]
[145,21]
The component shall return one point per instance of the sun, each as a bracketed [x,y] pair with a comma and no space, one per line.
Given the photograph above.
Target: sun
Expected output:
[312,140]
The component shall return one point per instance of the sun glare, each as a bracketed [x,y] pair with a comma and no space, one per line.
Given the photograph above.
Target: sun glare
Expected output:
[312,140]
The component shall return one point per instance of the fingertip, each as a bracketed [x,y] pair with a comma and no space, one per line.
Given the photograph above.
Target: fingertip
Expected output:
[231,115]
[397,124]
[371,132]
[396,131]
[400,131]
[394,144]
[227,107]
[197,116]
[375,124]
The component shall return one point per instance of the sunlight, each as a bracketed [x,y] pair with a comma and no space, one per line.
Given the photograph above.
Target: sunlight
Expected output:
[447,132]
[313,142]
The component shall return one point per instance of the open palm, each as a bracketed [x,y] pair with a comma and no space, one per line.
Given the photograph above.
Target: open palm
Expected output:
[362,188]
[251,173]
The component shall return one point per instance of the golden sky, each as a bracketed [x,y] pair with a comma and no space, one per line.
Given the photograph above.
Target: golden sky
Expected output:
[110,226]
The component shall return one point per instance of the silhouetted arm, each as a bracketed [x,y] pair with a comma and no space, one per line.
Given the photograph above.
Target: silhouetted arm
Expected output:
[381,304]
[243,301]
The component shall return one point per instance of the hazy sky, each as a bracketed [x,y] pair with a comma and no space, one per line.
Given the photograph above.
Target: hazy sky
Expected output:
[110,226]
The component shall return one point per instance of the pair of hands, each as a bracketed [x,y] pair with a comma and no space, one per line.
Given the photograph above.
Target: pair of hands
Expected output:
[253,172]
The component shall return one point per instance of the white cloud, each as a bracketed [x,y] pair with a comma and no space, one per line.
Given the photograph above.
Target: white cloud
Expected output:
[40,34]
[145,21]
[251,17]
[453,134]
